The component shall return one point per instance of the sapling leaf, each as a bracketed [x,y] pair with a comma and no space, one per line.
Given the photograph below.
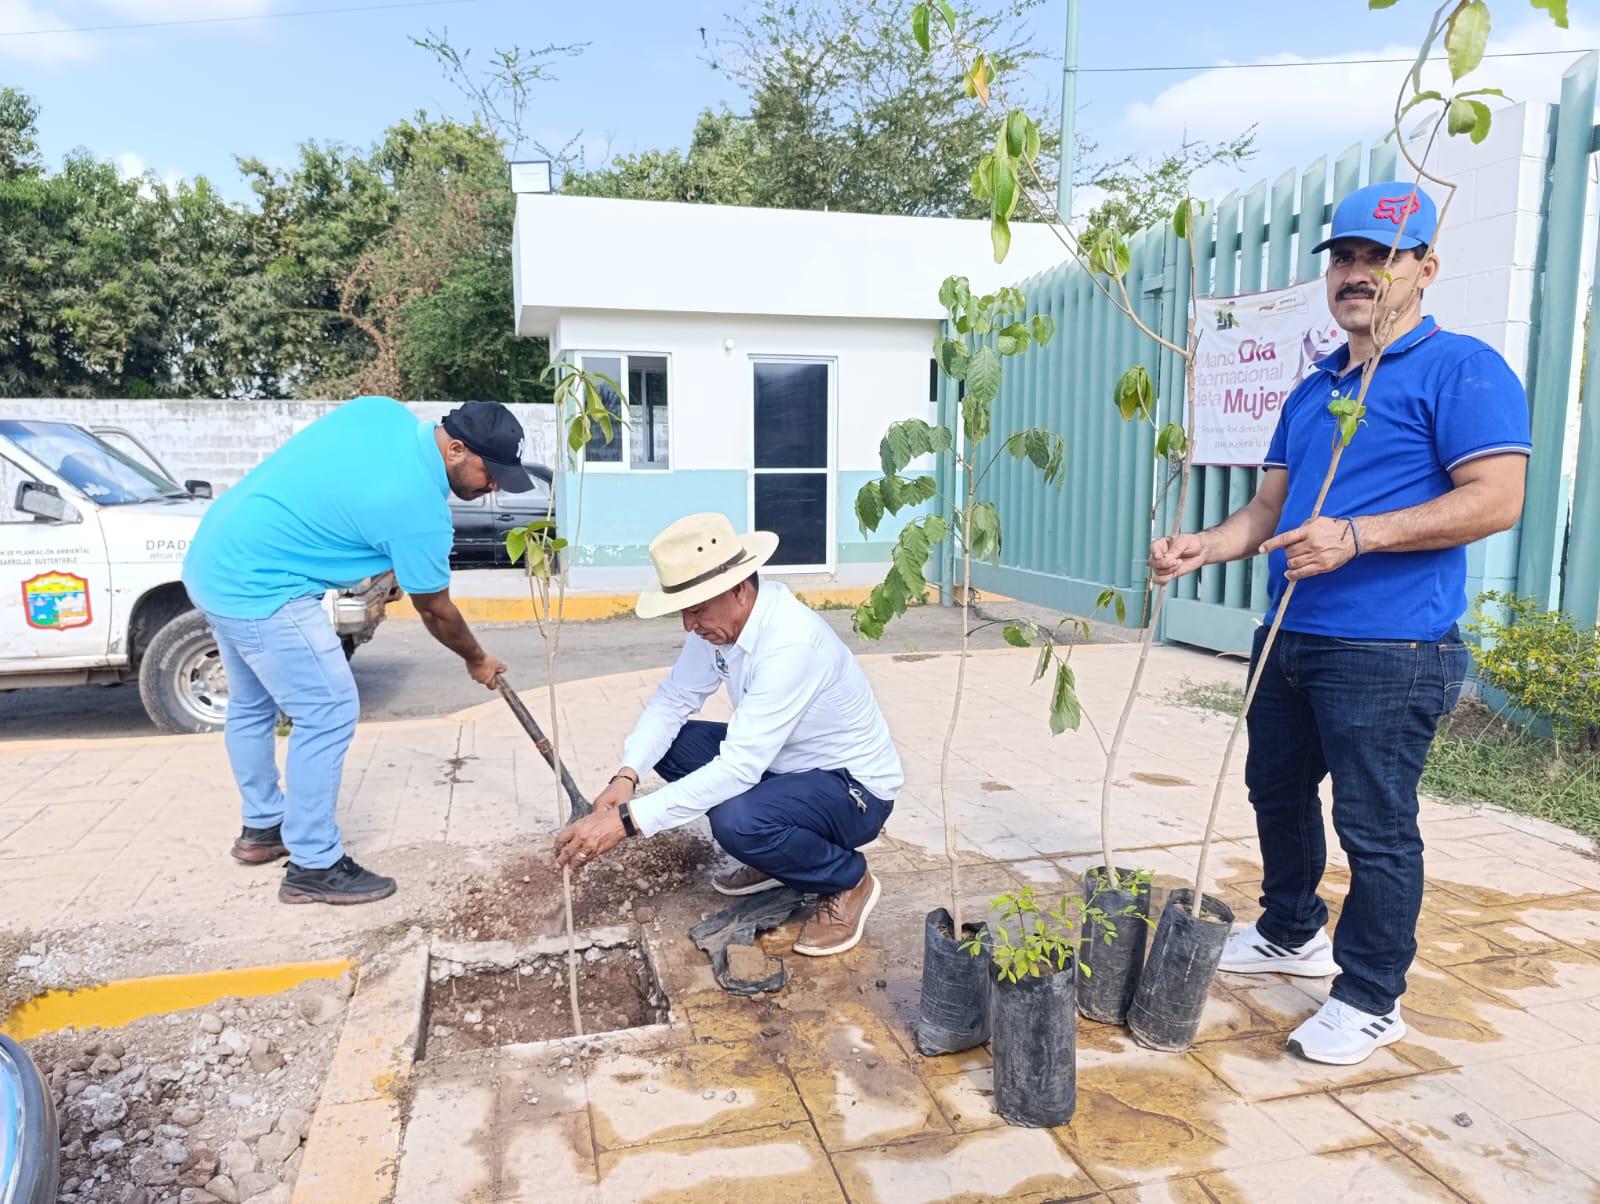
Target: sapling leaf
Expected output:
[1065,711]
[985,527]
[869,507]
[1466,35]
[1000,237]
[1420,98]
[953,357]
[1016,133]
[1377,4]
[919,27]
[1017,637]
[516,543]
[1030,145]
[948,12]
[1135,394]
[1044,328]
[1182,215]
[1013,339]
[1556,8]
[983,179]
[1043,666]
[1171,441]
[983,376]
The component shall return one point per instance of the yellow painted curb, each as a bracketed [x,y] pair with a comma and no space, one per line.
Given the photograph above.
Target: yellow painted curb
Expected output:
[582,608]
[113,1004]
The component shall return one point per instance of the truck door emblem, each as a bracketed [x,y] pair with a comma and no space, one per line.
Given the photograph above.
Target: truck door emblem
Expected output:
[56,601]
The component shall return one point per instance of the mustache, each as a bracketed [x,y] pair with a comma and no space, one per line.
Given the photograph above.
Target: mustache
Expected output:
[1356,291]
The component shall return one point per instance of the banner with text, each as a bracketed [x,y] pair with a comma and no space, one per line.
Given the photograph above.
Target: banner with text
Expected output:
[1253,350]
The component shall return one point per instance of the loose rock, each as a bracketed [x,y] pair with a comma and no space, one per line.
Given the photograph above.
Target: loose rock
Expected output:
[256,1183]
[149,1169]
[223,1188]
[295,1122]
[238,1160]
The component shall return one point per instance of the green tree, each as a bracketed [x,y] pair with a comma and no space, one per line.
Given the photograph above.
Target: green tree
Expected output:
[717,169]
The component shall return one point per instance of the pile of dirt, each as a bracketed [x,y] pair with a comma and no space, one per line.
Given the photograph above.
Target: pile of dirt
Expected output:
[192,1107]
[523,899]
[485,1009]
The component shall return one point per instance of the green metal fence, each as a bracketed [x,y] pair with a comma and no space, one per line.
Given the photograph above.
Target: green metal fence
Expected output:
[1060,550]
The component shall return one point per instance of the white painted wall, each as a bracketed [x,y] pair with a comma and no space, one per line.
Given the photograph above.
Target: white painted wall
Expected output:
[1490,244]
[881,374]
[1490,249]
[219,441]
[577,253]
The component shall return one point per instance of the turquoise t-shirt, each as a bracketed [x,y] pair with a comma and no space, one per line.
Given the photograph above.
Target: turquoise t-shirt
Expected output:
[359,491]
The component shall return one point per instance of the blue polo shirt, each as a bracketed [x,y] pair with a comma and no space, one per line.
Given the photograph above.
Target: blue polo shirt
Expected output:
[1438,400]
[359,491]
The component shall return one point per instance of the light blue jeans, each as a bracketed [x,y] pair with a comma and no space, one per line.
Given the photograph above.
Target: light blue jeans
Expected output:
[292,662]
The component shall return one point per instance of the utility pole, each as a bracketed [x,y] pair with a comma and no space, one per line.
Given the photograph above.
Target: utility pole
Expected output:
[1069,113]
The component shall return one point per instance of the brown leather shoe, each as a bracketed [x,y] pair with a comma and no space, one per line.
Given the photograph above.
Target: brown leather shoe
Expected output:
[840,919]
[742,880]
[258,846]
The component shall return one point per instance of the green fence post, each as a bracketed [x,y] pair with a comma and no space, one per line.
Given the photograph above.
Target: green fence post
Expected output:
[1580,592]
[1544,512]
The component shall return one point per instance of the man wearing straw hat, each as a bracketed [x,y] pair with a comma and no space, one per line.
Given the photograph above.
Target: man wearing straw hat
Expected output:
[803,775]
[1369,658]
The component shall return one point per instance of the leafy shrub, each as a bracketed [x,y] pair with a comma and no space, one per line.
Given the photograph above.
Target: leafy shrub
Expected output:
[1545,663]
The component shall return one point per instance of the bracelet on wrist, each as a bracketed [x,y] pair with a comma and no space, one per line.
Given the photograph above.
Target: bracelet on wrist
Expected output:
[625,813]
[1354,538]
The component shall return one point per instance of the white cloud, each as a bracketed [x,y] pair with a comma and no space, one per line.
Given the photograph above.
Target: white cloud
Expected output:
[1304,110]
[131,166]
[20,16]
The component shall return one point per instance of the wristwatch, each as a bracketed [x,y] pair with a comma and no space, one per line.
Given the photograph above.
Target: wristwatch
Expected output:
[626,813]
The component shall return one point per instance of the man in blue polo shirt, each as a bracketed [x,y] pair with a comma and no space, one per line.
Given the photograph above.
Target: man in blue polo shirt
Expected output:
[358,492]
[1369,658]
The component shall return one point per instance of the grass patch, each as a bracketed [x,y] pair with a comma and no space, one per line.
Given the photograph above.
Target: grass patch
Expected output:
[1223,698]
[1477,757]
[1480,758]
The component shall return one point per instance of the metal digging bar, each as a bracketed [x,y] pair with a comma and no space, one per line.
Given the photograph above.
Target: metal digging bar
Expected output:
[580,805]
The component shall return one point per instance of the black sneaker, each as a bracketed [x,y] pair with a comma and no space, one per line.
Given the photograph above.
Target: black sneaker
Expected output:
[258,846]
[343,882]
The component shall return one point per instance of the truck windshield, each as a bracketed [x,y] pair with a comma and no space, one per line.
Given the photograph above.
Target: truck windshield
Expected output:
[93,467]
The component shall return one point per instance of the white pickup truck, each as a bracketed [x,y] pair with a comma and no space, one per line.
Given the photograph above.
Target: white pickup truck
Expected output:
[91,555]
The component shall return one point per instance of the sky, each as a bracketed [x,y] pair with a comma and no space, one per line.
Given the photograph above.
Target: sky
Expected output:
[184,99]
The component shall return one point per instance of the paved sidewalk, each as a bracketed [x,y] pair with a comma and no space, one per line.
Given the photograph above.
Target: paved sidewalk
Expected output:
[1494,1096]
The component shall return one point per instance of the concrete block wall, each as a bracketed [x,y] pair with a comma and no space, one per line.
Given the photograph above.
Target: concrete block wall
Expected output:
[219,441]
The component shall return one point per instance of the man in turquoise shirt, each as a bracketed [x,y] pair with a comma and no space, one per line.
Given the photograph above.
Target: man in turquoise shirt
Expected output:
[360,491]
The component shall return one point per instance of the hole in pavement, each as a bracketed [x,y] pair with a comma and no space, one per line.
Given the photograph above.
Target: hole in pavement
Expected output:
[471,1007]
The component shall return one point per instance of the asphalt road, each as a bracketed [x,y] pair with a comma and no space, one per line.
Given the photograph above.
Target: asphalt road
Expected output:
[404,674]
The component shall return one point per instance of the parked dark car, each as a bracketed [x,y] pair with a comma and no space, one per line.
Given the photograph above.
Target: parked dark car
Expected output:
[481,525]
[30,1144]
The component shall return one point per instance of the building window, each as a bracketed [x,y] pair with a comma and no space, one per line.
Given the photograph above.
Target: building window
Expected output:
[643,442]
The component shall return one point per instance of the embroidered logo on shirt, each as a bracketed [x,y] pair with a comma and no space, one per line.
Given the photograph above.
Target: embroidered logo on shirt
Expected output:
[722,664]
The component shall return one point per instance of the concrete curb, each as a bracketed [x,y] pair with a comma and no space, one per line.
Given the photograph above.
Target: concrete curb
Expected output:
[587,608]
[353,1149]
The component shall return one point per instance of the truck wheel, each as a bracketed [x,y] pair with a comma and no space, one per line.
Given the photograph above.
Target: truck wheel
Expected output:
[181,681]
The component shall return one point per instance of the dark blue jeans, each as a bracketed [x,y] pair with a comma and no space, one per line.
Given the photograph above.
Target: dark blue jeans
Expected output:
[1364,711]
[801,828]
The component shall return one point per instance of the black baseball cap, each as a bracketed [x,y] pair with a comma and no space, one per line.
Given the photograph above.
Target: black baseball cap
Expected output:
[489,430]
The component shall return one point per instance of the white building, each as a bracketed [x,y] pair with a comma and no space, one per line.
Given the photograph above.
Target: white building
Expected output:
[763,353]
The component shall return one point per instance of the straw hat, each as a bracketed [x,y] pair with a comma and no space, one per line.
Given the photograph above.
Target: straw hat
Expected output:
[698,558]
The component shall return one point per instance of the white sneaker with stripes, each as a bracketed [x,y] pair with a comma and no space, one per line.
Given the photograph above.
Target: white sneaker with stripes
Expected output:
[1248,952]
[1341,1035]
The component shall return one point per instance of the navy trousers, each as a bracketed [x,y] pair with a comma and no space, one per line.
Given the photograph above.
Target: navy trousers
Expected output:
[801,828]
[1366,712]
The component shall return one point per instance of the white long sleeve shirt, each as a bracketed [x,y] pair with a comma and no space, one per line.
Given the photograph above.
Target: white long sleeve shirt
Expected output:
[800,701]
